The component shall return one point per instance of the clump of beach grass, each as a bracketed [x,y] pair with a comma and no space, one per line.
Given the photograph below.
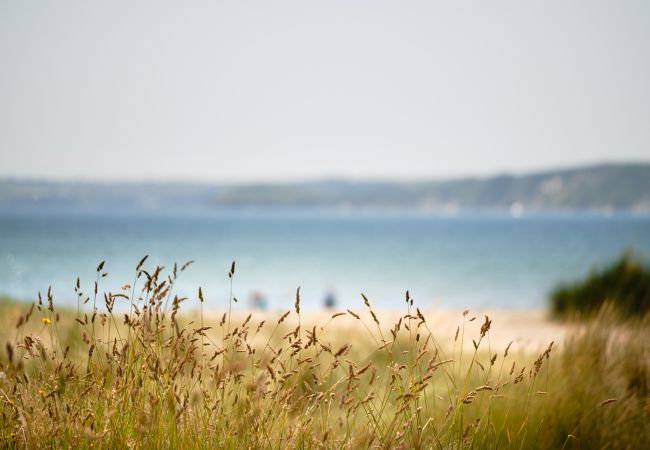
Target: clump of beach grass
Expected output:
[130,369]
[624,285]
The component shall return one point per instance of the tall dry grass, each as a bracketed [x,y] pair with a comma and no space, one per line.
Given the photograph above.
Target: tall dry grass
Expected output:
[128,369]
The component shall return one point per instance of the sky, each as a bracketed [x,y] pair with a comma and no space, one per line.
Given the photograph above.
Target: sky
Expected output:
[244,91]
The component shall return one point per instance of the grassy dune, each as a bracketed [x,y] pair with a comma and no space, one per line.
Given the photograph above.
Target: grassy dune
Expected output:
[155,376]
[624,283]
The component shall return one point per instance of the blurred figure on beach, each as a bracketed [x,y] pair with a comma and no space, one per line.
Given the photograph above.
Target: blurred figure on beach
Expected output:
[330,300]
[259,301]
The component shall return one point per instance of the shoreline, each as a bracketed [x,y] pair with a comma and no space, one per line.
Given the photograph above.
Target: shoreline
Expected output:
[529,330]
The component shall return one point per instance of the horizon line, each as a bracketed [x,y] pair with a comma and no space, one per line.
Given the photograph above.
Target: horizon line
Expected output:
[324,178]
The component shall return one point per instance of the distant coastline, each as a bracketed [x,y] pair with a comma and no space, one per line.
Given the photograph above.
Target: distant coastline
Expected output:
[603,188]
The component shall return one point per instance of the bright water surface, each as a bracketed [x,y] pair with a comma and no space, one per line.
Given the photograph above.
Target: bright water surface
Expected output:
[462,261]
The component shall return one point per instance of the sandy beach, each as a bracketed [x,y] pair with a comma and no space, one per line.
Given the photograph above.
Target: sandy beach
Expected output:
[529,330]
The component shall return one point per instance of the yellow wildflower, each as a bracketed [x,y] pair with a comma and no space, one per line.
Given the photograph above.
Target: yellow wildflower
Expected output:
[46,321]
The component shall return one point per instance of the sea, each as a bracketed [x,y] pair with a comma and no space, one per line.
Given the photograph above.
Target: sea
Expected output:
[462,260]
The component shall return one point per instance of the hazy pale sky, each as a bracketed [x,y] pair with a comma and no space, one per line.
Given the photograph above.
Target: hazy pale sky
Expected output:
[275,90]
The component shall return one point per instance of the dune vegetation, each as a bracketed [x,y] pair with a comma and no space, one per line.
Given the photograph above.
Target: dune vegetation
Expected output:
[624,285]
[132,370]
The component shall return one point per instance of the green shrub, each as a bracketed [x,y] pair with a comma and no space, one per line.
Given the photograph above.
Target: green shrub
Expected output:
[625,284]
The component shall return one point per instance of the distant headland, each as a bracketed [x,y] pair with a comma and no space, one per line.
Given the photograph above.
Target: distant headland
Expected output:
[603,187]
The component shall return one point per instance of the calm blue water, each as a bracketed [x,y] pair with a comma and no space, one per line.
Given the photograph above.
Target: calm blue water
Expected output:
[463,261]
